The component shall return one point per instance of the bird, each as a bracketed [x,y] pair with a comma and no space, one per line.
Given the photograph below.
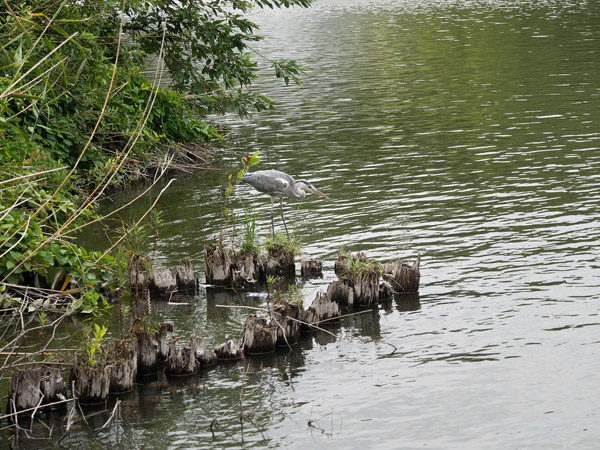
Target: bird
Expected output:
[279,184]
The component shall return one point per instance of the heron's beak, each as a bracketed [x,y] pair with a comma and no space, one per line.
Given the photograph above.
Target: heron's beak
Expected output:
[318,192]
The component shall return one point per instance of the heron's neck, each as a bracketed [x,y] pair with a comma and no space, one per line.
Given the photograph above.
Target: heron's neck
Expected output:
[298,190]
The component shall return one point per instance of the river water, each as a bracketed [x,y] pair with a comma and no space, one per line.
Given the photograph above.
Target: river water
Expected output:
[467,131]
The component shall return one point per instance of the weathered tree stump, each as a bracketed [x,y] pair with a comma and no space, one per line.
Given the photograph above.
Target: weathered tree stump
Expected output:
[162,340]
[244,271]
[147,349]
[307,317]
[311,268]
[24,390]
[182,361]
[258,336]
[285,317]
[140,273]
[204,357]
[346,263]
[279,260]
[218,265]
[163,281]
[321,309]
[230,349]
[92,383]
[123,362]
[52,384]
[403,277]
[185,276]
[360,275]
[341,292]
[366,289]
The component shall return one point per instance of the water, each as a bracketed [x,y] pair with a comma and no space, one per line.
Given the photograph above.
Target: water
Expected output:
[466,131]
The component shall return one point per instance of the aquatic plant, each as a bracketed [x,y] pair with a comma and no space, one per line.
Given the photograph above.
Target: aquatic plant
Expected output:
[93,344]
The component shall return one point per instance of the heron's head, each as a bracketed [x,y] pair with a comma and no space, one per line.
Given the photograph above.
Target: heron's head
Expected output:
[309,186]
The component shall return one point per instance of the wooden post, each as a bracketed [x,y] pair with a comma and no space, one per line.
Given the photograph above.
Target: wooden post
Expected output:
[204,357]
[92,383]
[182,361]
[123,362]
[24,390]
[341,292]
[185,277]
[230,349]
[311,268]
[287,328]
[244,271]
[258,336]
[218,265]
[277,261]
[403,277]
[164,282]
[52,384]
[139,276]
[322,308]
[162,341]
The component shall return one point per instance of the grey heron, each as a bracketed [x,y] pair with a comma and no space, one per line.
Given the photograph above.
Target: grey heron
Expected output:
[279,184]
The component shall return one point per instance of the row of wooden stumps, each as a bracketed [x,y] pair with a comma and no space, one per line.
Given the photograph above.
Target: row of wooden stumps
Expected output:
[361,283]
[124,361]
[162,281]
[244,271]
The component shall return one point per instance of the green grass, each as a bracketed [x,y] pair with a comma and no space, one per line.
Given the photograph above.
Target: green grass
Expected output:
[281,244]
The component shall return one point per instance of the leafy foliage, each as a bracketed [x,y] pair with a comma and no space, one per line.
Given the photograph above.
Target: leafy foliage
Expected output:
[77,112]
[93,345]
[207,49]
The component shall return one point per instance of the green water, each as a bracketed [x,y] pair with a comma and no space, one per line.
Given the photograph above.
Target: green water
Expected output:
[466,131]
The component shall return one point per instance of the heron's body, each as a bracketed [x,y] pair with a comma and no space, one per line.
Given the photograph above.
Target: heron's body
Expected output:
[279,184]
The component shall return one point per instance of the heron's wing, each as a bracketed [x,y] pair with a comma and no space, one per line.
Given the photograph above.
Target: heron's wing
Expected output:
[275,185]
[270,182]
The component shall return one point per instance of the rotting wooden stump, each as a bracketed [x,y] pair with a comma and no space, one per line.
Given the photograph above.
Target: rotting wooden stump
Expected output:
[360,290]
[322,309]
[286,316]
[24,390]
[228,350]
[258,336]
[52,384]
[139,273]
[341,292]
[311,268]
[244,271]
[182,361]
[358,283]
[185,276]
[161,339]
[92,383]
[403,278]
[123,362]
[346,262]
[218,265]
[147,349]
[278,260]
[204,357]
[163,281]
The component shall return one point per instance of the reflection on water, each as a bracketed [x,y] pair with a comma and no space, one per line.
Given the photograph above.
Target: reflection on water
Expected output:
[467,131]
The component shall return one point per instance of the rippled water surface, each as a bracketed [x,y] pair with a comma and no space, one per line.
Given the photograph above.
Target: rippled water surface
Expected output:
[466,131]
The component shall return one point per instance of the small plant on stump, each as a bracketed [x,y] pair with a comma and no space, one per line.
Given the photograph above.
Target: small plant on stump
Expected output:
[356,267]
[226,217]
[249,241]
[94,345]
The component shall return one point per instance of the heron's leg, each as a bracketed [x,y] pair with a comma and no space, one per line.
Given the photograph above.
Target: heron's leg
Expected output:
[284,224]
[272,221]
